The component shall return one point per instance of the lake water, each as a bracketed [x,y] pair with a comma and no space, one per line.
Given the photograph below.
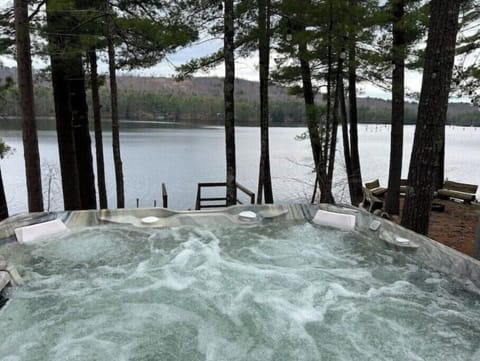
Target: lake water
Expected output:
[183,157]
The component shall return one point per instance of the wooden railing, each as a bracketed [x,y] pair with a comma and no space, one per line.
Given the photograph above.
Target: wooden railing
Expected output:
[200,200]
[164,198]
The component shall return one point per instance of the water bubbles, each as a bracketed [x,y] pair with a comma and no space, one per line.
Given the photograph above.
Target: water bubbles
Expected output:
[262,292]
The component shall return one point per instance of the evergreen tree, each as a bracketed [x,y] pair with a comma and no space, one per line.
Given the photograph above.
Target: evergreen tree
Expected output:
[29,129]
[312,43]
[406,21]
[97,118]
[117,160]
[466,76]
[264,178]
[65,57]
[429,131]
[392,201]
[229,99]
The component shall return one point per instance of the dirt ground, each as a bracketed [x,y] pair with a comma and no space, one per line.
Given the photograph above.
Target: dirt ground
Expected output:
[455,226]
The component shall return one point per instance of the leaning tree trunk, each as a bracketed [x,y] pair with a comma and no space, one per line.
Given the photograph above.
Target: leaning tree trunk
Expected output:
[117,159]
[392,202]
[83,144]
[29,128]
[3,200]
[264,179]
[102,190]
[229,85]
[428,141]
[63,113]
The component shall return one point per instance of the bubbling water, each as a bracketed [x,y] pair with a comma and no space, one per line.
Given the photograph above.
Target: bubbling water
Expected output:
[279,292]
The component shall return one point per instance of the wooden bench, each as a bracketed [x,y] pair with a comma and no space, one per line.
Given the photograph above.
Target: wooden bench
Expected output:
[373,195]
[457,190]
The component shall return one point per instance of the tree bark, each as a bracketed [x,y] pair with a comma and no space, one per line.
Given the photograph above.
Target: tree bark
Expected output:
[117,159]
[63,113]
[392,202]
[428,141]
[29,128]
[83,144]
[311,112]
[315,128]
[355,178]
[326,195]
[102,190]
[65,138]
[264,179]
[229,103]
[334,126]
[3,200]
[309,99]
[345,138]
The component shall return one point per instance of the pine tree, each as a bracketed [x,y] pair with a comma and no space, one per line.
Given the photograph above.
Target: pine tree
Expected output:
[392,201]
[29,129]
[229,99]
[264,178]
[428,140]
[94,82]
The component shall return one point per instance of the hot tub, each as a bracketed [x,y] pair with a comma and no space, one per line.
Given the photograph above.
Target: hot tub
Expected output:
[231,286]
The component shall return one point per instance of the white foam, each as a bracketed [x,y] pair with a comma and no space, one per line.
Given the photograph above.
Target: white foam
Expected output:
[336,220]
[34,232]
[231,295]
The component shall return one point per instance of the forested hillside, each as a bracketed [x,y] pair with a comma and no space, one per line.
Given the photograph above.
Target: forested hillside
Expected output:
[199,100]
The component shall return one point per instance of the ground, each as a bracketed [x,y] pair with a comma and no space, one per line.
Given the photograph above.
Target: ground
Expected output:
[455,226]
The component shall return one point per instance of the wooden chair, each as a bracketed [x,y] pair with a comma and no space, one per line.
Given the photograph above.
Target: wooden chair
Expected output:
[373,195]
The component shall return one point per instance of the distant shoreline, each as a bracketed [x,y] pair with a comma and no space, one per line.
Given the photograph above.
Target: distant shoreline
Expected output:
[49,123]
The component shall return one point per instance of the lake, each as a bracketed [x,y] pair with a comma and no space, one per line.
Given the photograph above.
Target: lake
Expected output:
[183,156]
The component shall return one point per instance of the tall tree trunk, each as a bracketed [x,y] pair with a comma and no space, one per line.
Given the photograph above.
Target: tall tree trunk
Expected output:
[392,202]
[29,128]
[311,111]
[332,150]
[3,200]
[83,144]
[428,141]
[65,138]
[102,190]
[115,123]
[229,85]
[355,178]
[345,137]
[326,195]
[63,113]
[334,126]
[264,179]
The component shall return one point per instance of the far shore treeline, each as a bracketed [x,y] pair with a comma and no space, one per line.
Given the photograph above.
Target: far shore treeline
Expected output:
[200,101]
